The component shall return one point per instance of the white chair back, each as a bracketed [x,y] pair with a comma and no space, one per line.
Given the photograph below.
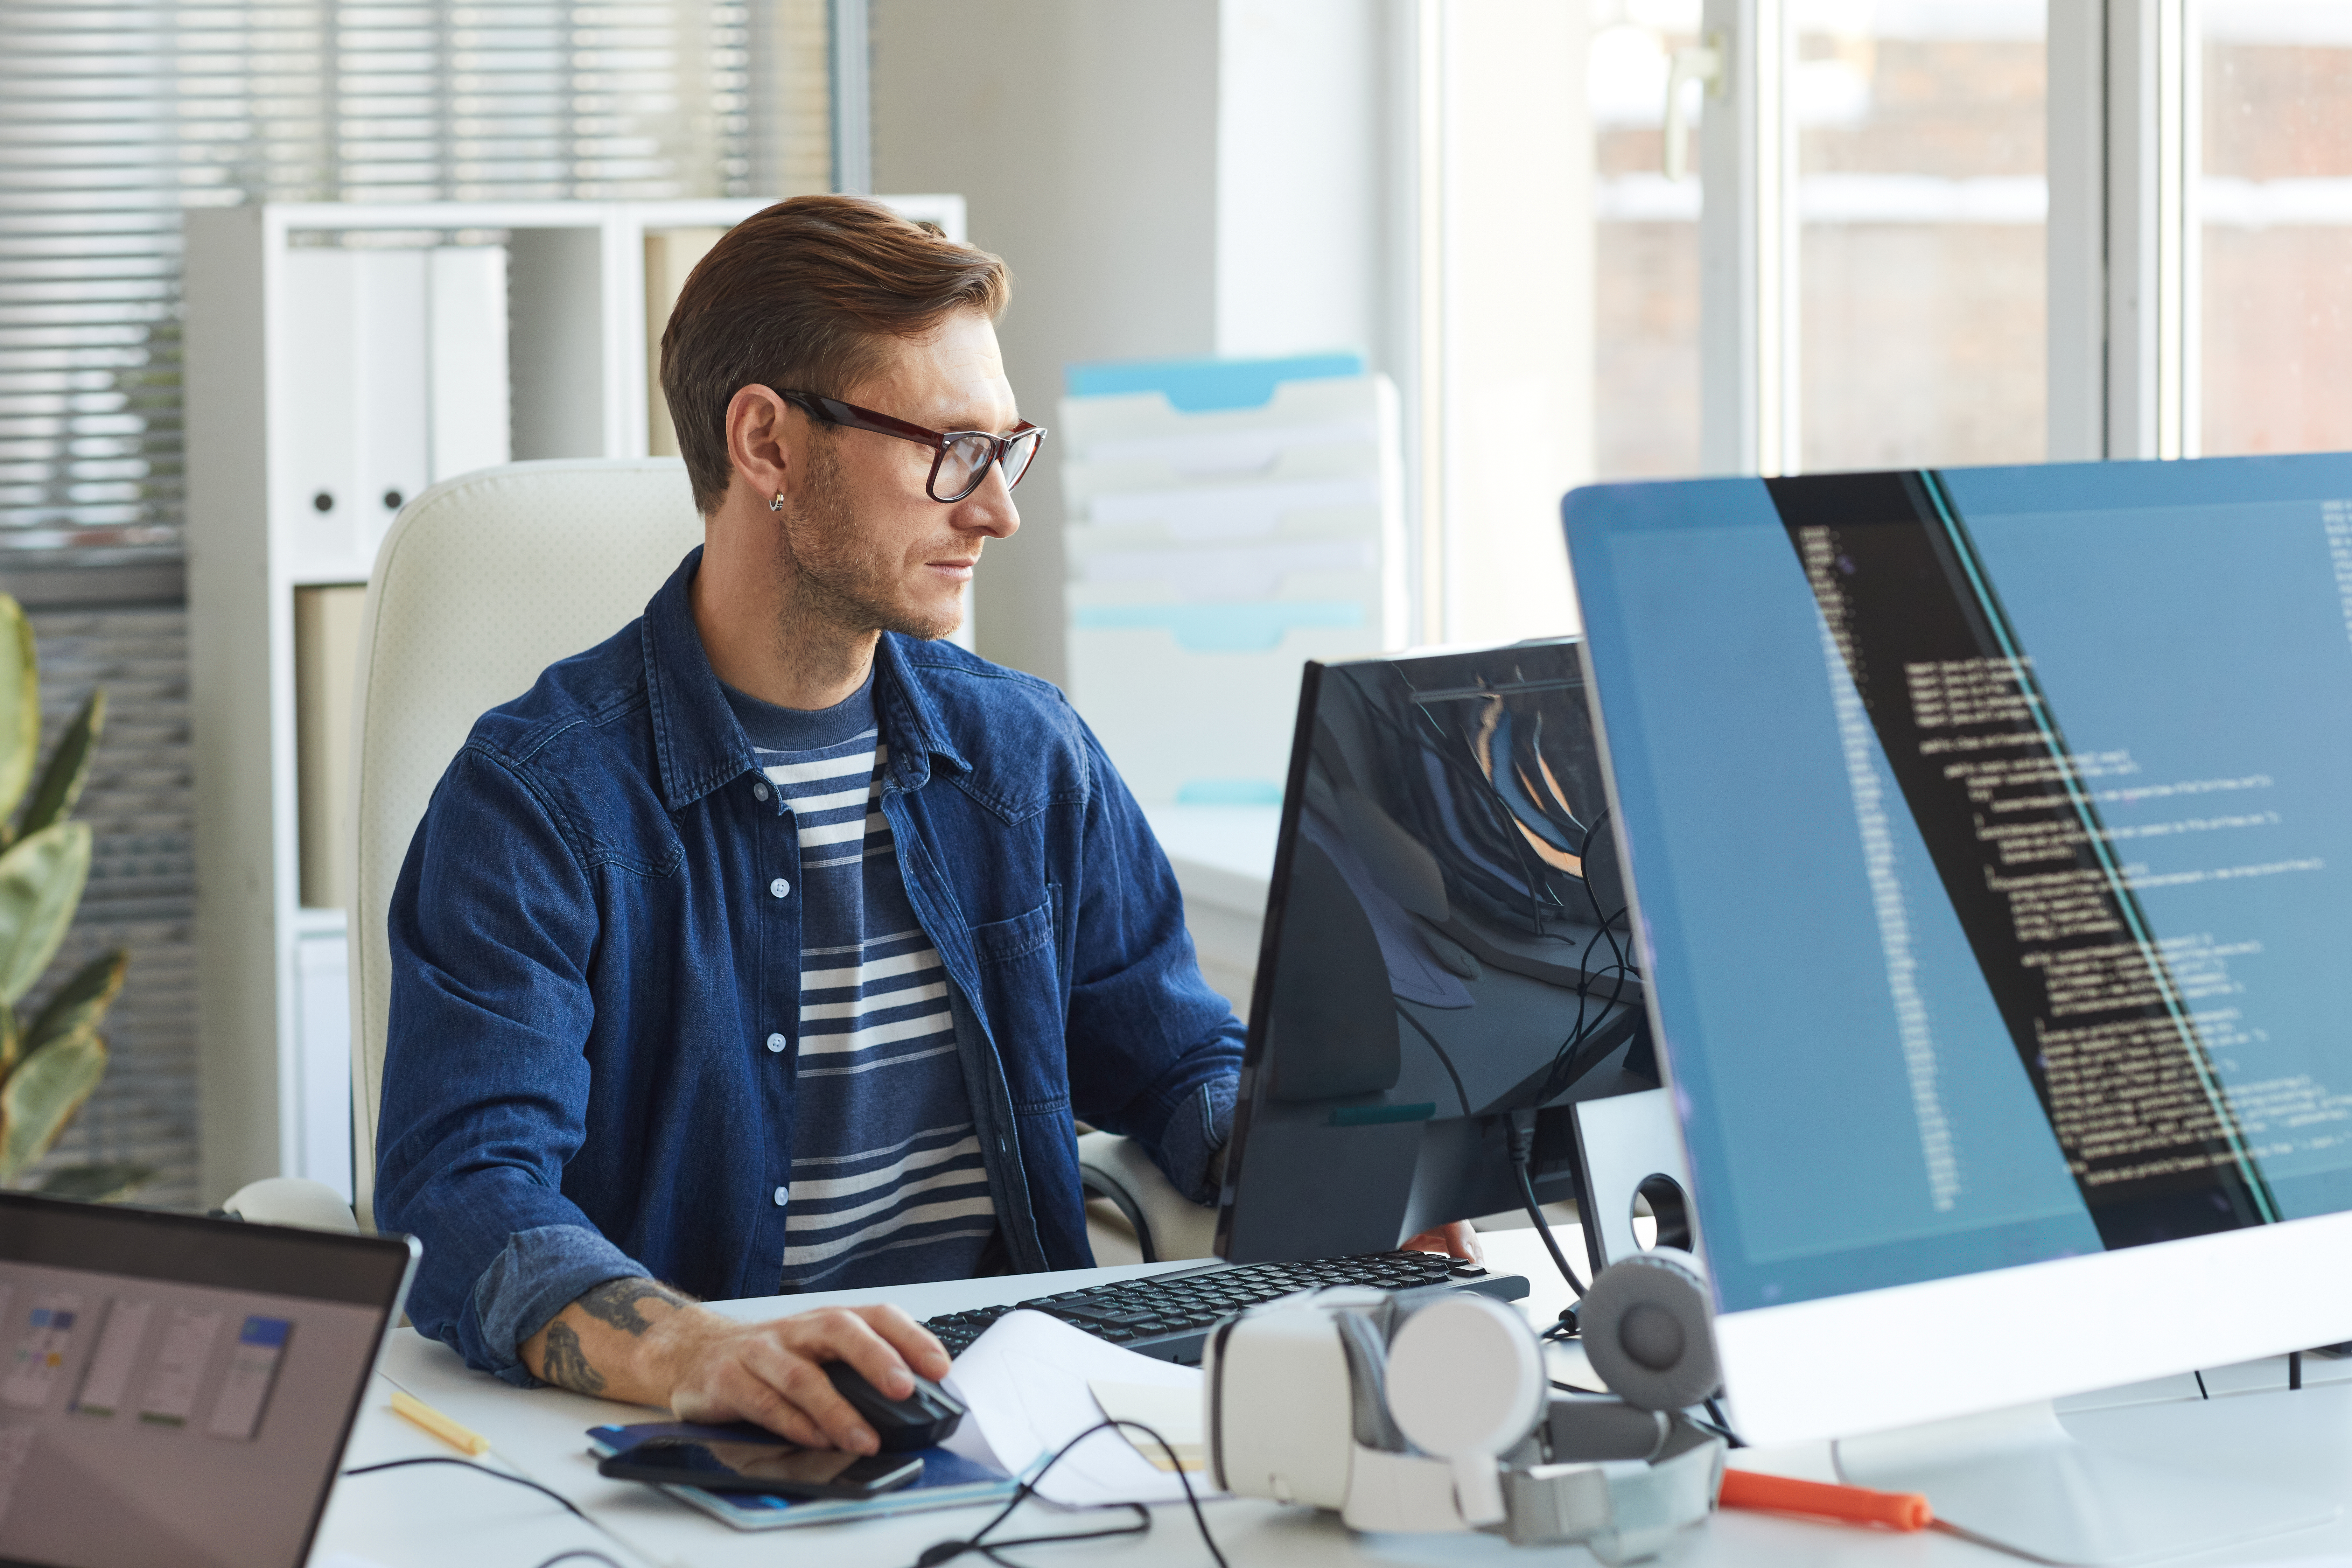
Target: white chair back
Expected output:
[483,582]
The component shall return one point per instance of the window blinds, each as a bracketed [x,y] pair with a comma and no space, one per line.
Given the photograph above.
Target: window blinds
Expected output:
[115,116]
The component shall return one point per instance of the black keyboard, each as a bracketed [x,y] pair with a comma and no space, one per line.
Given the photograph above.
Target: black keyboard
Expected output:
[1168,1316]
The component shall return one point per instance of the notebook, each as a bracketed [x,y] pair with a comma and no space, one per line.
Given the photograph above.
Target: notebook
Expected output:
[949,1480]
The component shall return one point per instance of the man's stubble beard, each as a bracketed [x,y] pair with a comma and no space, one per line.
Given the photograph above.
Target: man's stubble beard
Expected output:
[838,573]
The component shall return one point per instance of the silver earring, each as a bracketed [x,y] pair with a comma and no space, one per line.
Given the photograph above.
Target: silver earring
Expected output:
[777,504]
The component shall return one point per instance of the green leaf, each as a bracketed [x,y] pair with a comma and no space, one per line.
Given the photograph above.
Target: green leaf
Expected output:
[41,880]
[79,1004]
[20,707]
[61,781]
[12,1040]
[42,1095]
[99,1183]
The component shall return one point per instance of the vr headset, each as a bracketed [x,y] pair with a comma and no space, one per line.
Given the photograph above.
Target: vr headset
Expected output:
[1430,1410]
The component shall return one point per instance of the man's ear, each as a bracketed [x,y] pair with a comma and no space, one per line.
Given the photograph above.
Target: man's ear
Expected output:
[764,434]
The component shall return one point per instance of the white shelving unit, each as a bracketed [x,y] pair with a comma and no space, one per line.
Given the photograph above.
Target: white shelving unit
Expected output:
[339,360]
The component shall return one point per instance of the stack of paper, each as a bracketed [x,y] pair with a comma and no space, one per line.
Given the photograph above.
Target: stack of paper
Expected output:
[1029,1386]
[1229,520]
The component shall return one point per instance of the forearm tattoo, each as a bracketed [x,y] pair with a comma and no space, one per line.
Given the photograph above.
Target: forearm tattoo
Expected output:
[565,1364]
[615,1303]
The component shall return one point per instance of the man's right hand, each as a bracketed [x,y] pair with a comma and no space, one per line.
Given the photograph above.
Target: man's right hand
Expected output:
[638,1340]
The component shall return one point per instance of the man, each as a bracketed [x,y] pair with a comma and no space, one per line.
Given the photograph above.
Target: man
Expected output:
[774,944]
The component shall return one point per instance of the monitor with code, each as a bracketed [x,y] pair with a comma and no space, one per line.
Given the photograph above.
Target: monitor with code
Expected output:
[1991,832]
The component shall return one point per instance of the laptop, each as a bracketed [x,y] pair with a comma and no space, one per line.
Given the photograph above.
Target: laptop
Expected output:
[176,1389]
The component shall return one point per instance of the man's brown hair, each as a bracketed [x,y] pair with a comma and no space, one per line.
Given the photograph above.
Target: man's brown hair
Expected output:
[805,297]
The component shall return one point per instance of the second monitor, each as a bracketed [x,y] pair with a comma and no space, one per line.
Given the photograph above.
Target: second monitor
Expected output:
[1446,964]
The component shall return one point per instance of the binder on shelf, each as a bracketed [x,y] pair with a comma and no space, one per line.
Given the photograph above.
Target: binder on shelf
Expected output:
[1228,520]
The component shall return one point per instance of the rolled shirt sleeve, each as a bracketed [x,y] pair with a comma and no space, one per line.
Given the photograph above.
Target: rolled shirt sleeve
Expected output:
[1195,1136]
[492,925]
[1154,1053]
[535,1276]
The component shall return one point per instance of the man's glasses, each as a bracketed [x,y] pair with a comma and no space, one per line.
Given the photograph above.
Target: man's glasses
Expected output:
[961,459]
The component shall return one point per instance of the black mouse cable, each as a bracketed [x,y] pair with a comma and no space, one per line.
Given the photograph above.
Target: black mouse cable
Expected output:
[574,1554]
[1718,1424]
[948,1550]
[480,1470]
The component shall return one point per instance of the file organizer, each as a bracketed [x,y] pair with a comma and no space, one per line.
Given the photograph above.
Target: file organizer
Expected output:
[1229,520]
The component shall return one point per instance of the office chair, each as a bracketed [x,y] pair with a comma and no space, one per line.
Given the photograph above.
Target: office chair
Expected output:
[1166,1224]
[483,582]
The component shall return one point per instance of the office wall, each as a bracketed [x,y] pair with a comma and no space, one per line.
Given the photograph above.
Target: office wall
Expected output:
[1187,177]
[1305,176]
[1084,137]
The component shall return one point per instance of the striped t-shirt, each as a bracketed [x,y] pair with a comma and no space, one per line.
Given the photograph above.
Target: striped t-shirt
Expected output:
[888,1186]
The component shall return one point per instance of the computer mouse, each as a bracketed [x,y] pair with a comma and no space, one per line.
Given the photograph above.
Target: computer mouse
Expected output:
[924,1419]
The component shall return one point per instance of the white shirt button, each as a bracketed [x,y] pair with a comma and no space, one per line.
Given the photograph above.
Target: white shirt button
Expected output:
[780,887]
[776,1042]
[779,1197]
[758,792]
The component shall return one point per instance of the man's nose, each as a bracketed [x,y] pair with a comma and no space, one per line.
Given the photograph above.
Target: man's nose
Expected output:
[988,510]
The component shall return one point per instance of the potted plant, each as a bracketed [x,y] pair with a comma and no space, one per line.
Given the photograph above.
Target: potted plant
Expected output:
[50,1063]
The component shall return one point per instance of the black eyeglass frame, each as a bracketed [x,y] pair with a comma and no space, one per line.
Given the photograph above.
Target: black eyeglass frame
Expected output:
[834,411]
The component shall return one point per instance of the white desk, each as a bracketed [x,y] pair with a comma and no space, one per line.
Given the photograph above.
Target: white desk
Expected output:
[435,1517]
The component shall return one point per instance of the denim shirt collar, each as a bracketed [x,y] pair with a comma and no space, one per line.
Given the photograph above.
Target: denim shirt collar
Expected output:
[700,745]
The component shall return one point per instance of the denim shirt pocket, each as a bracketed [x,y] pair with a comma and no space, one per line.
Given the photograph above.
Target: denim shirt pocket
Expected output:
[1020,987]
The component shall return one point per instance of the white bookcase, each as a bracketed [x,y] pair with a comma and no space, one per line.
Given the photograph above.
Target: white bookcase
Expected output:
[339,360]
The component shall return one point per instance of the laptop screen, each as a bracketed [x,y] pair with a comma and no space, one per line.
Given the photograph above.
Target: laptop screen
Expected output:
[1989,835]
[175,1389]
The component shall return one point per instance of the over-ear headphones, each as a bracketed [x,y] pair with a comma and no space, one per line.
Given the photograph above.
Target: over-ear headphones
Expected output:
[1648,1328]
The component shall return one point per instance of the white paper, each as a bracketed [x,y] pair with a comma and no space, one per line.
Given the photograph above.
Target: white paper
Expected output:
[1172,1412]
[1025,1382]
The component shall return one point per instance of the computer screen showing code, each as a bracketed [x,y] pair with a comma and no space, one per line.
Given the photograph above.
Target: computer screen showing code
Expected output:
[1990,831]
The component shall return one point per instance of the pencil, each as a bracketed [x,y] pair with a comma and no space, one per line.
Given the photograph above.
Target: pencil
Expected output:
[440,1426]
[1853,1505]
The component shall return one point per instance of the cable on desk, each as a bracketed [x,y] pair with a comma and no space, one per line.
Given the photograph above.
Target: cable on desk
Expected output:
[479,1470]
[948,1550]
[1523,1153]
[579,1551]
[2201,1385]
[1720,1428]
[2294,1368]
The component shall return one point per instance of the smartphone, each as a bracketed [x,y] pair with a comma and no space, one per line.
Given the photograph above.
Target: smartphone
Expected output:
[779,1469]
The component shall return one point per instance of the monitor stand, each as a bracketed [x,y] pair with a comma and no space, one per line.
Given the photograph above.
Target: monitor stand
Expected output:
[2020,1480]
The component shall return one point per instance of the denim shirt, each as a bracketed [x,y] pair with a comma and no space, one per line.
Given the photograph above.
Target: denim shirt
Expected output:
[594,939]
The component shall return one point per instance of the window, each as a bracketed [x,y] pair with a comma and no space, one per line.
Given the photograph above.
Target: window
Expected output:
[2273,216]
[1921,195]
[1646,241]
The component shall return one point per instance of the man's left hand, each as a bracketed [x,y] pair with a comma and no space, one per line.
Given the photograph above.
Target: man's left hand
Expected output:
[1456,1240]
